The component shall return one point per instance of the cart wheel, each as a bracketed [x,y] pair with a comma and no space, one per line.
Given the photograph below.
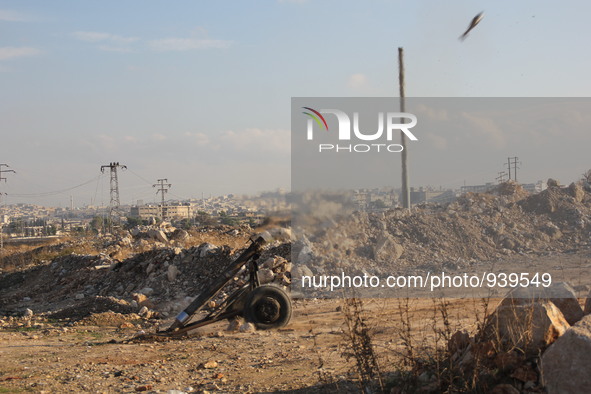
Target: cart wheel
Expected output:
[268,307]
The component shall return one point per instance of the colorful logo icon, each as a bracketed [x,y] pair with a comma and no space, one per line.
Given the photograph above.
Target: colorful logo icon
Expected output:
[317,116]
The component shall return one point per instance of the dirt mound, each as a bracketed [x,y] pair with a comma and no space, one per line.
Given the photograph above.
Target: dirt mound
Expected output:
[93,306]
[109,319]
[475,227]
[511,189]
[74,286]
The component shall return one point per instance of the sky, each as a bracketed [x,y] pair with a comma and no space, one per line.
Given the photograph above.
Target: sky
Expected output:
[199,92]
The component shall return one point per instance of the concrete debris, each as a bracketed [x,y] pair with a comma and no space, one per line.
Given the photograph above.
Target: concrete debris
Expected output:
[210,364]
[565,365]
[205,249]
[235,324]
[561,294]
[157,279]
[172,272]
[531,327]
[576,191]
[180,235]
[265,276]
[143,310]
[158,235]
[142,300]
[247,327]
[147,291]
[477,227]
[386,249]
[300,270]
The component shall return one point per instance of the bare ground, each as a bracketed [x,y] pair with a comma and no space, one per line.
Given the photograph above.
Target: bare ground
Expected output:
[101,359]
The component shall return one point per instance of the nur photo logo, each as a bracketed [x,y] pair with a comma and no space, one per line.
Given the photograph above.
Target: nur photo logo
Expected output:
[388,126]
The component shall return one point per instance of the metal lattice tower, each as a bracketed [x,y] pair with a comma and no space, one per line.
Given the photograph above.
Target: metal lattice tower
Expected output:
[114,204]
[4,171]
[162,188]
[1,224]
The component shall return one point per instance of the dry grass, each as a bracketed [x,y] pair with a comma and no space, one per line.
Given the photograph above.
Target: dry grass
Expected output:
[407,350]
[360,347]
[21,256]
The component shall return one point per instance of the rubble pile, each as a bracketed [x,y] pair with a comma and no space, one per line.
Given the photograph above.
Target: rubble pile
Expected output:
[529,344]
[154,283]
[475,227]
[121,245]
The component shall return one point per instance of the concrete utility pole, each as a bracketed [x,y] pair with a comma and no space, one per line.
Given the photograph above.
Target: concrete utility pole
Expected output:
[405,188]
[163,188]
[114,203]
[512,162]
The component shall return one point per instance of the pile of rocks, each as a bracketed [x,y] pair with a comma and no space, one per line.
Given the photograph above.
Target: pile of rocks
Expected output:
[476,227]
[154,283]
[534,339]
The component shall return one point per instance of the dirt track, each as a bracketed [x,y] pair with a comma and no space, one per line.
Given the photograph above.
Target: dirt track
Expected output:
[82,359]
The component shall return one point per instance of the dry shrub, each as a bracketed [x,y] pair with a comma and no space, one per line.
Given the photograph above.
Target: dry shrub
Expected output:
[360,347]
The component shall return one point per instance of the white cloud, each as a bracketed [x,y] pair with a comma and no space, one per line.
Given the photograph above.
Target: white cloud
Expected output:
[258,140]
[115,43]
[357,81]
[187,44]
[15,52]
[13,16]
[93,36]
[110,48]
[107,142]
[439,115]
[158,137]
[199,139]
[483,126]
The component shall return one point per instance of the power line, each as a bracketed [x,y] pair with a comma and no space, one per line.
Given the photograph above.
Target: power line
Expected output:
[51,193]
[141,177]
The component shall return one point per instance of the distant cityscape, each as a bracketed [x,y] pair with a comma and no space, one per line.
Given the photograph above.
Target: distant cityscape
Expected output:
[29,220]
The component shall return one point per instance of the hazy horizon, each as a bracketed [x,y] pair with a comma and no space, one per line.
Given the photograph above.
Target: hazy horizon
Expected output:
[199,93]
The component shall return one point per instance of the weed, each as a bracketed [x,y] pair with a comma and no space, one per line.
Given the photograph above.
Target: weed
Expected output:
[360,346]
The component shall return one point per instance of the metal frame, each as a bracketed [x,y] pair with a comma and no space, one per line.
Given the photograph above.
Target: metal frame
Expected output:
[230,307]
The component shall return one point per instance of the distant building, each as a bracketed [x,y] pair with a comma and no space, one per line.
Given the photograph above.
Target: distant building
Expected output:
[166,212]
[375,199]
[477,188]
[534,188]
[430,195]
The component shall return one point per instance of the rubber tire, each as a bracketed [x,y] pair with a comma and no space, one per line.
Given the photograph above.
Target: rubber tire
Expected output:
[271,297]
